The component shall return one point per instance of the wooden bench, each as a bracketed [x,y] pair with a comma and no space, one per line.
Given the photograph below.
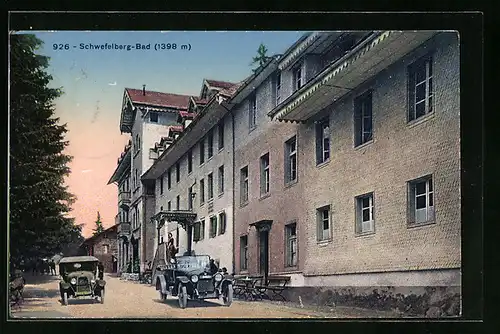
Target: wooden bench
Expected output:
[274,284]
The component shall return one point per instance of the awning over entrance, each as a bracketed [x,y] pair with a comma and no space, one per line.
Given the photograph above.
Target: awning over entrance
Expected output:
[362,63]
[263,225]
[184,218]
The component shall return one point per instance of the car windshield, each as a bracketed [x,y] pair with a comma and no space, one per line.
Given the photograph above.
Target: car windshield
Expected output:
[193,262]
[79,266]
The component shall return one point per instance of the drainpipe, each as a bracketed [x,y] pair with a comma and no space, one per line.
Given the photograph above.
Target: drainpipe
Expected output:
[234,193]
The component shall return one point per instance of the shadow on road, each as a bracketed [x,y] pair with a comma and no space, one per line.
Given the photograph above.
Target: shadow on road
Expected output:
[191,303]
[85,301]
[39,279]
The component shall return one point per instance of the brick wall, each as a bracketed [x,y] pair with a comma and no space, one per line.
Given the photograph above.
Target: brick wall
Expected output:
[399,153]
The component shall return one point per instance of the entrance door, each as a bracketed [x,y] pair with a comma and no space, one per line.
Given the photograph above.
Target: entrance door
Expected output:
[264,253]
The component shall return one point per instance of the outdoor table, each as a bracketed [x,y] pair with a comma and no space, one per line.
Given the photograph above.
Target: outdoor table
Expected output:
[247,287]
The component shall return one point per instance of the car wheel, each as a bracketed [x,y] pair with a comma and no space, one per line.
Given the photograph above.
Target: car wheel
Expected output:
[162,295]
[65,298]
[102,296]
[227,296]
[182,295]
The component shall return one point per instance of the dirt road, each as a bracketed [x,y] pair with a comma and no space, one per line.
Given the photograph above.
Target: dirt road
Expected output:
[125,299]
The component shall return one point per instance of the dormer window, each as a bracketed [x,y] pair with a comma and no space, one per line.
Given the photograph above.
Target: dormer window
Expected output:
[297,77]
[153,117]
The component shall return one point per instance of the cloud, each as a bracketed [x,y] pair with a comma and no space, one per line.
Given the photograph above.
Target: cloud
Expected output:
[86,170]
[112,84]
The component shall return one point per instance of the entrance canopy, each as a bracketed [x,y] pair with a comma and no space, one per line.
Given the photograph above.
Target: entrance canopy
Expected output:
[185,218]
[262,225]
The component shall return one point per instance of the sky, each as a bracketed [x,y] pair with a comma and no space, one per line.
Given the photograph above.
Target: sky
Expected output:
[93,82]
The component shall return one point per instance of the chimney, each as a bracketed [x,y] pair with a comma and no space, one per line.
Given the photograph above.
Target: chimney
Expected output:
[144,90]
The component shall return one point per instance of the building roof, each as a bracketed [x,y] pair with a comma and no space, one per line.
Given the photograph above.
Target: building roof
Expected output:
[158,99]
[220,84]
[114,227]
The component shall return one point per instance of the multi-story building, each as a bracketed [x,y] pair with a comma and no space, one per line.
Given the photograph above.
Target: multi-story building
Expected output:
[193,176]
[121,177]
[147,116]
[377,154]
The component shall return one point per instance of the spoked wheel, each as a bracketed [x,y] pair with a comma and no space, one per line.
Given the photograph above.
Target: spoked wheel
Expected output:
[102,296]
[65,299]
[227,296]
[182,296]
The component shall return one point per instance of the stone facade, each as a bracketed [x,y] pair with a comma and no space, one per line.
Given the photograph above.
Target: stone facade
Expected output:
[104,247]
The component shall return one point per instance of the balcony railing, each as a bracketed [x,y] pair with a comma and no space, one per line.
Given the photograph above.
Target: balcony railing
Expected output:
[124,228]
[124,198]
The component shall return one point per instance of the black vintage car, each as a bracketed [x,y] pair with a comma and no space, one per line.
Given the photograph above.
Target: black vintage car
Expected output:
[191,277]
[79,278]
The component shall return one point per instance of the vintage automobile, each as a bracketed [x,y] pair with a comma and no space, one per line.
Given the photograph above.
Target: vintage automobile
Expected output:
[189,277]
[79,278]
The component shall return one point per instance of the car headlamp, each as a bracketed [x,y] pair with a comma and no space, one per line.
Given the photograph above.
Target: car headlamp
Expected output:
[73,281]
[194,278]
[218,277]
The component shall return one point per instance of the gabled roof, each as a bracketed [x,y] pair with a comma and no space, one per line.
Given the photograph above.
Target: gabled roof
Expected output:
[219,84]
[109,229]
[158,99]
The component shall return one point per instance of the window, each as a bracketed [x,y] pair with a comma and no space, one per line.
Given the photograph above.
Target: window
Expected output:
[221,135]
[264,174]
[222,223]
[190,161]
[169,206]
[291,244]
[244,185]
[252,112]
[202,152]
[322,141]
[364,214]
[277,83]
[324,223]
[221,179]
[213,226]
[161,185]
[420,91]
[297,78]
[169,178]
[291,160]
[202,192]
[210,186]
[177,172]
[190,198]
[421,201]
[363,124]
[153,117]
[106,249]
[178,202]
[198,232]
[210,144]
[243,252]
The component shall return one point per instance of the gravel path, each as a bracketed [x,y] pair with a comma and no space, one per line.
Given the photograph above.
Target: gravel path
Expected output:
[125,299]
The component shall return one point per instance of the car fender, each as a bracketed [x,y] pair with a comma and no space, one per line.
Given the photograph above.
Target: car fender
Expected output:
[162,284]
[225,282]
[101,283]
[183,279]
[64,285]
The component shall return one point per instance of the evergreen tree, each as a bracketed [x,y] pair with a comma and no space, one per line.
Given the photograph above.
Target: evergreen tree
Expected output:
[39,200]
[261,57]
[98,225]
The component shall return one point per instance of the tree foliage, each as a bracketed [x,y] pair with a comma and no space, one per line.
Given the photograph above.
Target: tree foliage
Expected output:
[39,200]
[98,225]
[261,57]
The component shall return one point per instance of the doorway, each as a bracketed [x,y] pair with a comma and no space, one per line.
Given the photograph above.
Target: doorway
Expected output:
[264,253]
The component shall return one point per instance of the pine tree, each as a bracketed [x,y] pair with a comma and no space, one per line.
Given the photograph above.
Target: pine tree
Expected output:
[261,57]
[39,200]
[98,225]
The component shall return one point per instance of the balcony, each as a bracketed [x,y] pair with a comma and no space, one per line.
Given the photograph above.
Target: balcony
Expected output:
[124,228]
[124,198]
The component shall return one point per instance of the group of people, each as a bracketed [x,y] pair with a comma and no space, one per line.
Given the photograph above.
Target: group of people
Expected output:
[41,266]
